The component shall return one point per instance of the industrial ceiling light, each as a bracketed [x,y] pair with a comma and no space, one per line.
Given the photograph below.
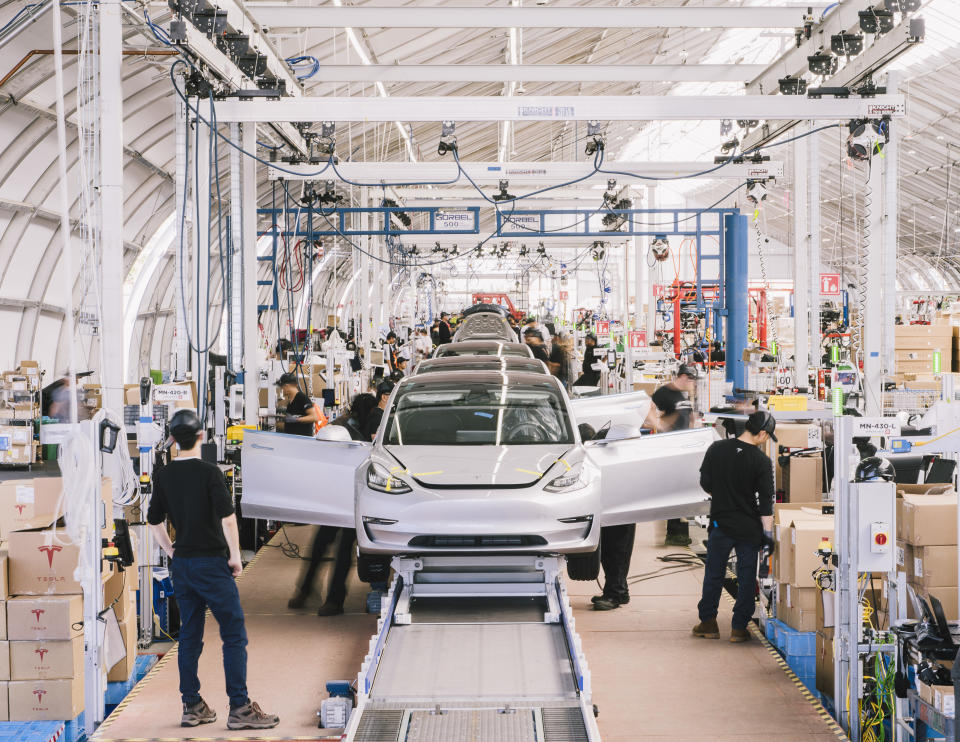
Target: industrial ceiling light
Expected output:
[876,21]
[448,138]
[503,195]
[594,138]
[867,137]
[660,248]
[846,44]
[823,63]
[792,86]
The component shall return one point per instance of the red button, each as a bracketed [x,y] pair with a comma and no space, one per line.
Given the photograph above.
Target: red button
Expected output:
[880,538]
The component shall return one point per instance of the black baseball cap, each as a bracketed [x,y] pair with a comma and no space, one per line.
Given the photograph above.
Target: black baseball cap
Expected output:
[287,379]
[687,370]
[762,421]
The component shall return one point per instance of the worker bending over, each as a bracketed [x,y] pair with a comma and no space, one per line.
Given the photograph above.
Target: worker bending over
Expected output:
[739,478]
[205,559]
[302,414]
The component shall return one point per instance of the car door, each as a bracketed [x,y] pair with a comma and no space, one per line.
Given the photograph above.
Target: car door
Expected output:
[626,409]
[299,479]
[653,477]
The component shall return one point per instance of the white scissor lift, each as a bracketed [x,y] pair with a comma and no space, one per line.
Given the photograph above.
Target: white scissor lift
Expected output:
[475,647]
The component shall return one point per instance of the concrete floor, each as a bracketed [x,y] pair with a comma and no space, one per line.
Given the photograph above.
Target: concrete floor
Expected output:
[651,679]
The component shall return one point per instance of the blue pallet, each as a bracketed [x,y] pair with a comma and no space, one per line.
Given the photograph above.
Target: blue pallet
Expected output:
[778,628]
[802,667]
[771,630]
[116,692]
[43,731]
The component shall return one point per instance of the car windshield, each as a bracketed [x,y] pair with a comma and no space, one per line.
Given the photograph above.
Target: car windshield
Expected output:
[458,349]
[478,413]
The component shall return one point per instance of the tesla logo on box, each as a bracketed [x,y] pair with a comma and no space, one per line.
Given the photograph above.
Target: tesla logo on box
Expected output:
[50,551]
[20,509]
[39,693]
[38,612]
[830,284]
[42,652]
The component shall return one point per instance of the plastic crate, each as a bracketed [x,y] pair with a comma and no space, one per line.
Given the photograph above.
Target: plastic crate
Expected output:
[798,643]
[803,666]
[770,630]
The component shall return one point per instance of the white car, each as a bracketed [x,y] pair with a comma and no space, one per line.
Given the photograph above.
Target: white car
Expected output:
[485,326]
[478,461]
[481,363]
[483,348]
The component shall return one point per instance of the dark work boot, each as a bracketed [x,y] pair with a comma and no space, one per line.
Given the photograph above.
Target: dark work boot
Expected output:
[739,635]
[298,601]
[197,714]
[707,629]
[599,598]
[330,609]
[251,717]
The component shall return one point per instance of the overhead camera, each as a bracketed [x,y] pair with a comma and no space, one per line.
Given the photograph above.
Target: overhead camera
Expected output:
[660,248]
[504,195]
[595,141]
[448,138]
[867,137]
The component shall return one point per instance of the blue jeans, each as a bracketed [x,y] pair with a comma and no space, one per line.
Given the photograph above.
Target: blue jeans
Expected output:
[719,546]
[200,583]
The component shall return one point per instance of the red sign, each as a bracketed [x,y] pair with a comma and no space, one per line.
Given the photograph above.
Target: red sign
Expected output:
[603,328]
[830,284]
[564,295]
[637,338]
[659,291]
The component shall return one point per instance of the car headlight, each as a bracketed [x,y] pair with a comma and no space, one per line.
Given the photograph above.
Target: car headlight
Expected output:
[572,479]
[381,480]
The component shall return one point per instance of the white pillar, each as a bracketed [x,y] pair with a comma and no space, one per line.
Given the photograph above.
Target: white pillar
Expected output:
[640,276]
[363,302]
[252,357]
[111,200]
[651,299]
[815,246]
[872,318]
[891,211]
[181,251]
[802,250]
[235,266]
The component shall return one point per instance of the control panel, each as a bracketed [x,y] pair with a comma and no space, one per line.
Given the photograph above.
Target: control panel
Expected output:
[877,527]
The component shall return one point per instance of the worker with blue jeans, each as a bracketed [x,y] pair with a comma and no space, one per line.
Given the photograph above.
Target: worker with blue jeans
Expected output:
[739,478]
[192,494]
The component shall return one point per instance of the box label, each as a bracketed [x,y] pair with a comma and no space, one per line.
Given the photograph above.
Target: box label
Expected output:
[871,426]
[917,567]
[25,494]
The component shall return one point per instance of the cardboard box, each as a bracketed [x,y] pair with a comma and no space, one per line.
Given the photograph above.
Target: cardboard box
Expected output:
[4,661]
[46,660]
[4,702]
[799,435]
[803,479]
[119,593]
[46,700]
[122,671]
[57,617]
[825,664]
[797,607]
[903,555]
[41,566]
[943,700]
[929,520]
[934,566]
[27,504]
[799,556]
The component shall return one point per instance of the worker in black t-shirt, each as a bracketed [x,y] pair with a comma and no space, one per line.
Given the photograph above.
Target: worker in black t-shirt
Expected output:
[192,494]
[384,389]
[739,478]
[673,410]
[301,412]
[534,341]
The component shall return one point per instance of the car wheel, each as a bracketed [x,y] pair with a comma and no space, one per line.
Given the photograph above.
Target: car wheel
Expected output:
[373,568]
[584,567]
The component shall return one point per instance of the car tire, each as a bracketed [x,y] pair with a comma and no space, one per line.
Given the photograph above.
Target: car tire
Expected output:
[373,568]
[584,567]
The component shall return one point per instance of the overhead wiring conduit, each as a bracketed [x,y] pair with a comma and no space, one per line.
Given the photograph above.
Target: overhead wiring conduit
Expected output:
[74,52]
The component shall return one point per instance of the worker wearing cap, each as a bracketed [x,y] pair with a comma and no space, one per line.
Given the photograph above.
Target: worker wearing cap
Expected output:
[192,494]
[738,475]
[384,389]
[443,329]
[301,412]
[673,410]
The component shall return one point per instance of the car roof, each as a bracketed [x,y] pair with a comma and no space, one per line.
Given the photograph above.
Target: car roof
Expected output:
[506,363]
[513,378]
[467,345]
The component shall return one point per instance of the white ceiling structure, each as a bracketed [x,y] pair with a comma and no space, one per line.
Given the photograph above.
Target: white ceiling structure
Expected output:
[32,302]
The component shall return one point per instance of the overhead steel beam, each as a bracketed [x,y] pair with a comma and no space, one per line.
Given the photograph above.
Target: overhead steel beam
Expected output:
[559,108]
[604,73]
[518,173]
[275,16]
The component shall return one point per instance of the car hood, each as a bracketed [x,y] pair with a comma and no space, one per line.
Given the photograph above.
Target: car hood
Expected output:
[481,466]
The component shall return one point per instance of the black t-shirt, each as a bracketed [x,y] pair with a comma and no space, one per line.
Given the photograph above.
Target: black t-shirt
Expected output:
[299,406]
[539,352]
[373,422]
[443,333]
[559,357]
[193,494]
[672,401]
[739,478]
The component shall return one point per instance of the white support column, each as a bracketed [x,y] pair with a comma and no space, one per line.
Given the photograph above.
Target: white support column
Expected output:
[625,284]
[872,305]
[200,276]
[651,298]
[252,359]
[181,180]
[640,277]
[802,250]
[891,211]
[815,245]
[235,266]
[363,303]
[111,199]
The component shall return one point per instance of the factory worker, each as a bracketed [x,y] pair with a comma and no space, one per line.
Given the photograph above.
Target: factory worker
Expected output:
[192,494]
[301,412]
[443,329]
[588,376]
[534,340]
[384,389]
[738,476]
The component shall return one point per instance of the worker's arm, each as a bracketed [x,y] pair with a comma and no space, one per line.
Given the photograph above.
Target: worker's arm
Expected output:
[159,531]
[705,466]
[310,417]
[765,499]
[232,534]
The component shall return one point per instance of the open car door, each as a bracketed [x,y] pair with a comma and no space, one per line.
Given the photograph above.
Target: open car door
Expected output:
[299,479]
[653,477]
[626,409]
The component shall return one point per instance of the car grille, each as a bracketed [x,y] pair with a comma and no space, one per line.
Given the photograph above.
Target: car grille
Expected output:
[476,542]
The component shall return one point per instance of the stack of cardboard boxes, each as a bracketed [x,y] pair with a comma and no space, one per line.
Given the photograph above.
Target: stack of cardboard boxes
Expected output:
[799,530]
[801,478]
[41,613]
[915,345]
[19,408]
